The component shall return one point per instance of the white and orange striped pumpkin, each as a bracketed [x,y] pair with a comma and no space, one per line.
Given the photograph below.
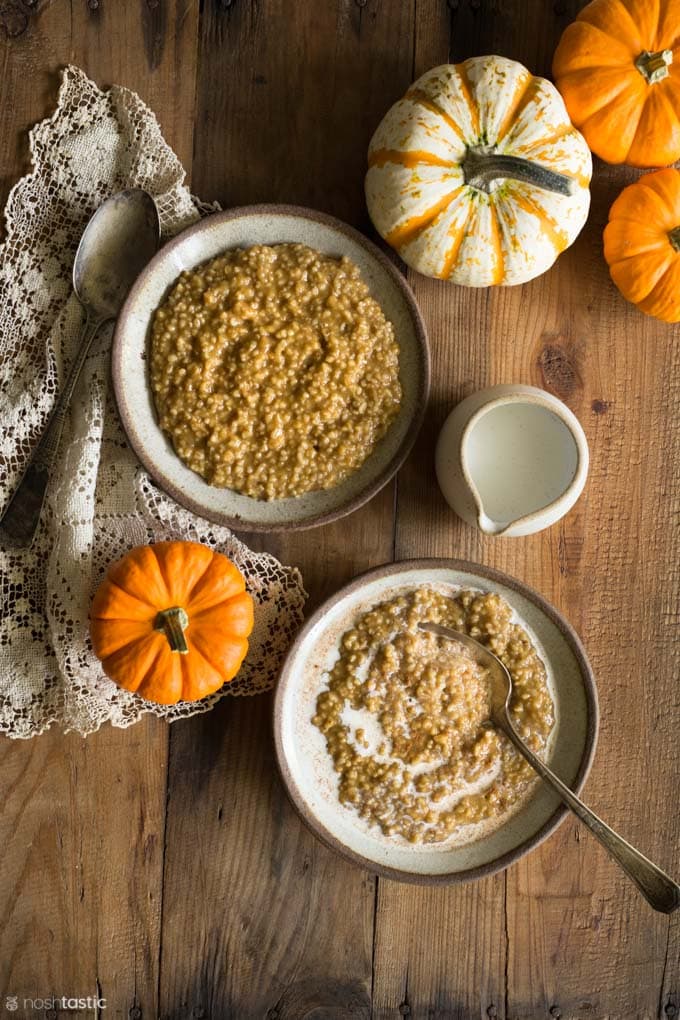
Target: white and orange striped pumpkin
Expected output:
[477,175]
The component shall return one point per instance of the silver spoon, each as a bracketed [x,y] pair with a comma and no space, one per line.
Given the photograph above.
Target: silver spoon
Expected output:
[657,888]
[119,240]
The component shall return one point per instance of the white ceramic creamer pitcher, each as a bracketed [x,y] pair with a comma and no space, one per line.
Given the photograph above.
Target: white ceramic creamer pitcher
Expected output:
[511,460]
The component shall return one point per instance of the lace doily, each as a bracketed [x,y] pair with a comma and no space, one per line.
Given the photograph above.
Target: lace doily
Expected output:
[100,502]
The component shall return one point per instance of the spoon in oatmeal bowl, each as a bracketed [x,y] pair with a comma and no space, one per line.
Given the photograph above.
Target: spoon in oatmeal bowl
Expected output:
[660,891]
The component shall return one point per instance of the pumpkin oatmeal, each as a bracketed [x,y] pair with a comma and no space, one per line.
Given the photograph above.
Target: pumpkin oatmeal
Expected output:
[273,370]
[405,715]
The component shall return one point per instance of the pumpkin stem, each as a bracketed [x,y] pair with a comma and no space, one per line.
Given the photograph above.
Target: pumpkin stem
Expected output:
[654,66]
[173,622]
[480,167]
[674,237]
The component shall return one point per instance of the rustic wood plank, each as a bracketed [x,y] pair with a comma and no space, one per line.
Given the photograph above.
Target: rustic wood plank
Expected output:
[148,46]
[83,823]
[602,950]
[442,953]
[580,941]
[82,831]
[257,918]
[288,97]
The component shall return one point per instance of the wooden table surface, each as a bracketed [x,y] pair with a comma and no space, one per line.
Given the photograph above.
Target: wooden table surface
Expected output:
[164,866]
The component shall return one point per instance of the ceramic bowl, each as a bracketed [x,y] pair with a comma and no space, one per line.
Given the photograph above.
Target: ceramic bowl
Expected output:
[305,766]
[266,224]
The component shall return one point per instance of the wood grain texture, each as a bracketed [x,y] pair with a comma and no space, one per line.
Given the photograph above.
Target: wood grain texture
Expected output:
[277,925]
[218,903]
[578,942]
[82,836]
[83,822]
[287,98]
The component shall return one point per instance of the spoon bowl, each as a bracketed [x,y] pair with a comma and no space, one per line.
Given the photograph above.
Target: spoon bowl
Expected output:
[119,240]
[500,681]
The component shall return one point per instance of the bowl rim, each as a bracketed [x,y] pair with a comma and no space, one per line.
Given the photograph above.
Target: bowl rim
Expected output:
[549,826]
[373,486]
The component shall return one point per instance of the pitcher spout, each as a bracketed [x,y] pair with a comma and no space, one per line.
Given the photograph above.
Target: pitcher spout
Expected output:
[491,527]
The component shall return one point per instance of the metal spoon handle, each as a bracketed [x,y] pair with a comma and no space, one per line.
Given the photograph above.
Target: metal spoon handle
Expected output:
[20,519]
[655,885]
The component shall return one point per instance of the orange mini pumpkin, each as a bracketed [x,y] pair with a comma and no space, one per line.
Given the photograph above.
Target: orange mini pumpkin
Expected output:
[618,69]
[171,621]
[642,244]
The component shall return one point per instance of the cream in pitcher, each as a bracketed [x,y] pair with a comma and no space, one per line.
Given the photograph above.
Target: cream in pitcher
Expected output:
[511,460]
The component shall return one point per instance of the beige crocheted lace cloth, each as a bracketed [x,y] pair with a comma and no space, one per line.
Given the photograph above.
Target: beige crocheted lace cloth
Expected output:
[100,502]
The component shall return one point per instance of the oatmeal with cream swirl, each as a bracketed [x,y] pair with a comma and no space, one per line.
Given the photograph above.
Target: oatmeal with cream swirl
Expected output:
[273,370]
[406,715]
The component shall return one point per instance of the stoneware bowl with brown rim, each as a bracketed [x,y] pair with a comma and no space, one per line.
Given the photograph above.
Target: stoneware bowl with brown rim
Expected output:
[243,227]
[305,765]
